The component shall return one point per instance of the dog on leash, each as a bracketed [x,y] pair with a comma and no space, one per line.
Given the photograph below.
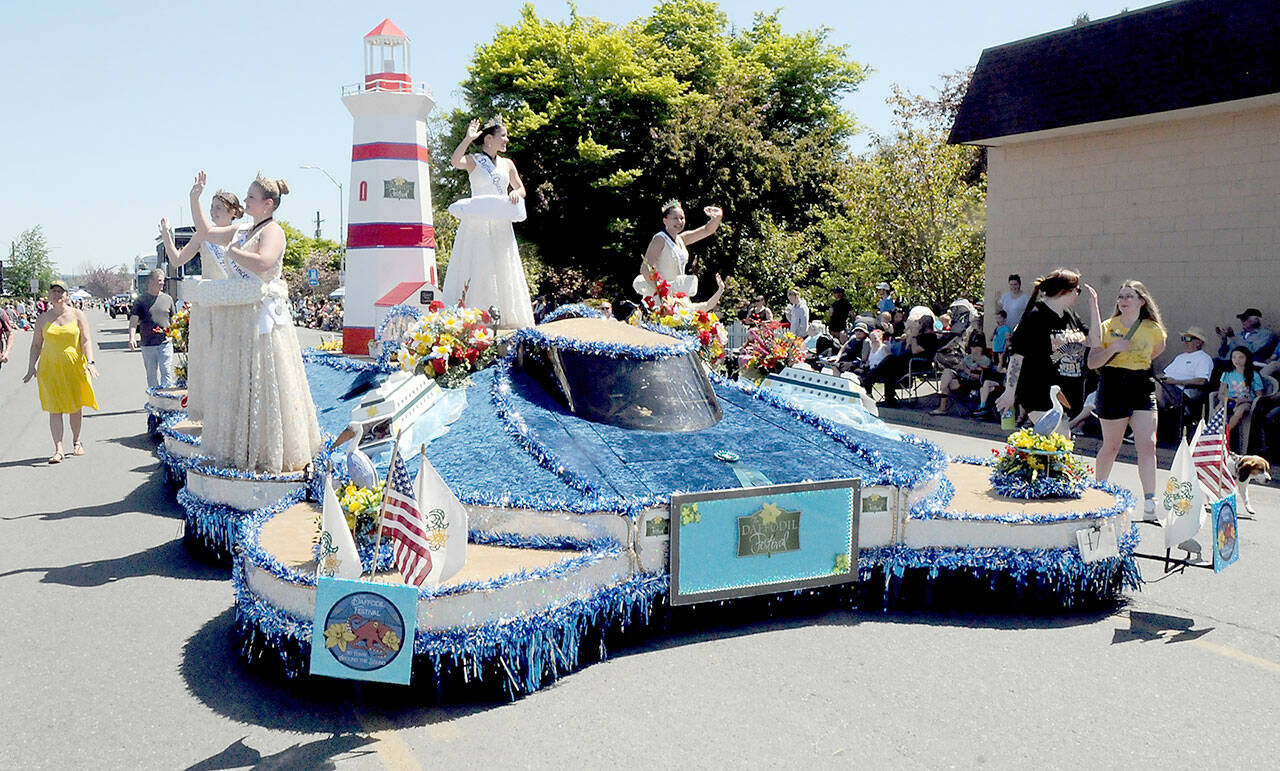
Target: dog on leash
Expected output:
[1248,468]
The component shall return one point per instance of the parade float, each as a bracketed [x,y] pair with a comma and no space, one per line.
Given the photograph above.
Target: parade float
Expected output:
[606,475]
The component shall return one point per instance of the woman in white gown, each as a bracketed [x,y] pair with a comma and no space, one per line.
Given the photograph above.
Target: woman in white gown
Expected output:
[484,268]
[668,251]
[258,413]
[210,240]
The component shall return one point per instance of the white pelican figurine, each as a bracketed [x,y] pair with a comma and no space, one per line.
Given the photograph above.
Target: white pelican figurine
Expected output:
[1048,422]
[359,467]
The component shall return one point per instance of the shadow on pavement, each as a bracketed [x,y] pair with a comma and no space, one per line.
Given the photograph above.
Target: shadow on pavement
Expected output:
[316,754]
[216,673]
[41,460]
[150,497]
[169,560]
[1147,627]
[138,411]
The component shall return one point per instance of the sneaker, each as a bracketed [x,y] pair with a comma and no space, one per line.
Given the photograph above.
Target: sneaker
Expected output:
[1149,511]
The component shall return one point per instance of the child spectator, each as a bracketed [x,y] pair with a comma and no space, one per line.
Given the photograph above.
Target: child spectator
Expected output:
[1000,340]
[969,376]
[1239,387]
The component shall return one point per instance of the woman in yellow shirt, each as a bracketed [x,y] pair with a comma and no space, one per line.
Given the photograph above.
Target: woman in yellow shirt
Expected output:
[1131,339]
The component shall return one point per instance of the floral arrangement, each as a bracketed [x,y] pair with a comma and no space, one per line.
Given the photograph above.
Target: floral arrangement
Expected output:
[448,344]
[360,505]
[675,310]
[330,346]
[1036,466]
[177,330]
[769,351]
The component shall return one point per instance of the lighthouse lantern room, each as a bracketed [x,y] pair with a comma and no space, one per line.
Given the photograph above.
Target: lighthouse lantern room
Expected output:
[390,239]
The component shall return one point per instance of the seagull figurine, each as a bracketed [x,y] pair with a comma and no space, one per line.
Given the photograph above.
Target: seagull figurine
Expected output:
[359,467]
[1048,422]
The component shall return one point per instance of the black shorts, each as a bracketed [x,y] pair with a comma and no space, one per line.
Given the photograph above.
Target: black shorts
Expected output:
[1122,392]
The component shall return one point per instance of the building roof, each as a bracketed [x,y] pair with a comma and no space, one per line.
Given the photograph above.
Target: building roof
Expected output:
[1170,56]
[387,28]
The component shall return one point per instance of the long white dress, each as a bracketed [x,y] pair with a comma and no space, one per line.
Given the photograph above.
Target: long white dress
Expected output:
[258,413]
[213,267]
[670,264]
[485,263]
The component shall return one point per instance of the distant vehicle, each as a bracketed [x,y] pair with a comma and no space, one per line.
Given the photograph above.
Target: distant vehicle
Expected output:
[119,305]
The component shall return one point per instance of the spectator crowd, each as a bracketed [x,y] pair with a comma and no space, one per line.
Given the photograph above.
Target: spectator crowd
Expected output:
[317,313]
[892,346]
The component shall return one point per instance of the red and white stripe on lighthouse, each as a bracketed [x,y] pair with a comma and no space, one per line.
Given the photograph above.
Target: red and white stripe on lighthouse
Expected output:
[390,240]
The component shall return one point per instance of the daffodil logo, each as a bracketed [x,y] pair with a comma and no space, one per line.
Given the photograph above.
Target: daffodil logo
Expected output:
[364,631]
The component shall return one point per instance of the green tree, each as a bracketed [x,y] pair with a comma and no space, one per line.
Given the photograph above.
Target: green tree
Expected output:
[609,120]
[920,209]
[29,257]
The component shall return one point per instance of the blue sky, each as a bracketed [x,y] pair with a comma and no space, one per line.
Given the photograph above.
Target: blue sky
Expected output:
[115,106]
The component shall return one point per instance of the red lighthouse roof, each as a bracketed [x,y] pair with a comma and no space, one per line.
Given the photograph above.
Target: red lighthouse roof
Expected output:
[387,28]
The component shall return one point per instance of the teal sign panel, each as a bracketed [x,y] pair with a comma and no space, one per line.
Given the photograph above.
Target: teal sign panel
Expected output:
[364,630]
[1226,533]
[762,540]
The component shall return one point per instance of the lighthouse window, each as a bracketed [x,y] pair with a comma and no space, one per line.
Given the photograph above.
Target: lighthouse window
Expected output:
[397,188]
[364,191]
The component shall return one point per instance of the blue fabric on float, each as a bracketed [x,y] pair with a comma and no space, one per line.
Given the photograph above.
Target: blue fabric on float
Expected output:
[629,462]
[626,463]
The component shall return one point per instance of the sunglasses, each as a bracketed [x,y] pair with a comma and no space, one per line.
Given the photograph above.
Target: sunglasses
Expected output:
[1189,338]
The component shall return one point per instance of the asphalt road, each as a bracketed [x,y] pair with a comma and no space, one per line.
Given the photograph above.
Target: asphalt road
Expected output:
[114,653]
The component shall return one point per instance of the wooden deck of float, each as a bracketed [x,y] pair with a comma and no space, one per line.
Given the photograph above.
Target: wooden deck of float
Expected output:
[975,496]
[290,536]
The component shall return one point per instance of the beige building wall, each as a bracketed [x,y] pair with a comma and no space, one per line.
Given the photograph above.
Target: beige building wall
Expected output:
[1190,206]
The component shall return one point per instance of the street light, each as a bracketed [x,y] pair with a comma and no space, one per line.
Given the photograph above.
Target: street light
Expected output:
[342,231]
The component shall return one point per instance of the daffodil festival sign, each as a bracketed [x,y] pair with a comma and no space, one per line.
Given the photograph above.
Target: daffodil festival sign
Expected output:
[364,630]
[763,540]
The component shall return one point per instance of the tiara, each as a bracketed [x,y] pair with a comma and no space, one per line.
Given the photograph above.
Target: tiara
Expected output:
[494,121]
[671,204]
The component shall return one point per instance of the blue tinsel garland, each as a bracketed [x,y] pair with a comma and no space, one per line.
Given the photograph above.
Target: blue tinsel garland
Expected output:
[162,394]
[250,545]
[572,310]
[890,474]
[167,428]
[935,506]
[1061,571]
[391,347]
[217,526]
[534,336]
[163,414]
[530,650]
[341,363]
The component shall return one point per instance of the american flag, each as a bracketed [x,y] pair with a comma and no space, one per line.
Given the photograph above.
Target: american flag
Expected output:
[1209,454]
[402,520]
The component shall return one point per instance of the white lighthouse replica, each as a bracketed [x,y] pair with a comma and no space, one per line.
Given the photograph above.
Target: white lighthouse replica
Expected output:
[390,241]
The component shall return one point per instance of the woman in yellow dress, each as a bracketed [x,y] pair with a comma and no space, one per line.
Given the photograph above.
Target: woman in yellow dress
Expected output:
[62,362]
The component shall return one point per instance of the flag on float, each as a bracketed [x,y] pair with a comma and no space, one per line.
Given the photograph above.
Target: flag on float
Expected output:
[403,522]
[338,555]
[1209,453]
[1183,500]
[446,520]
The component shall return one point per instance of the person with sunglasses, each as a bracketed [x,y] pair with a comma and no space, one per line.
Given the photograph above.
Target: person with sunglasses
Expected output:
[1186,378]
[1131,339]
